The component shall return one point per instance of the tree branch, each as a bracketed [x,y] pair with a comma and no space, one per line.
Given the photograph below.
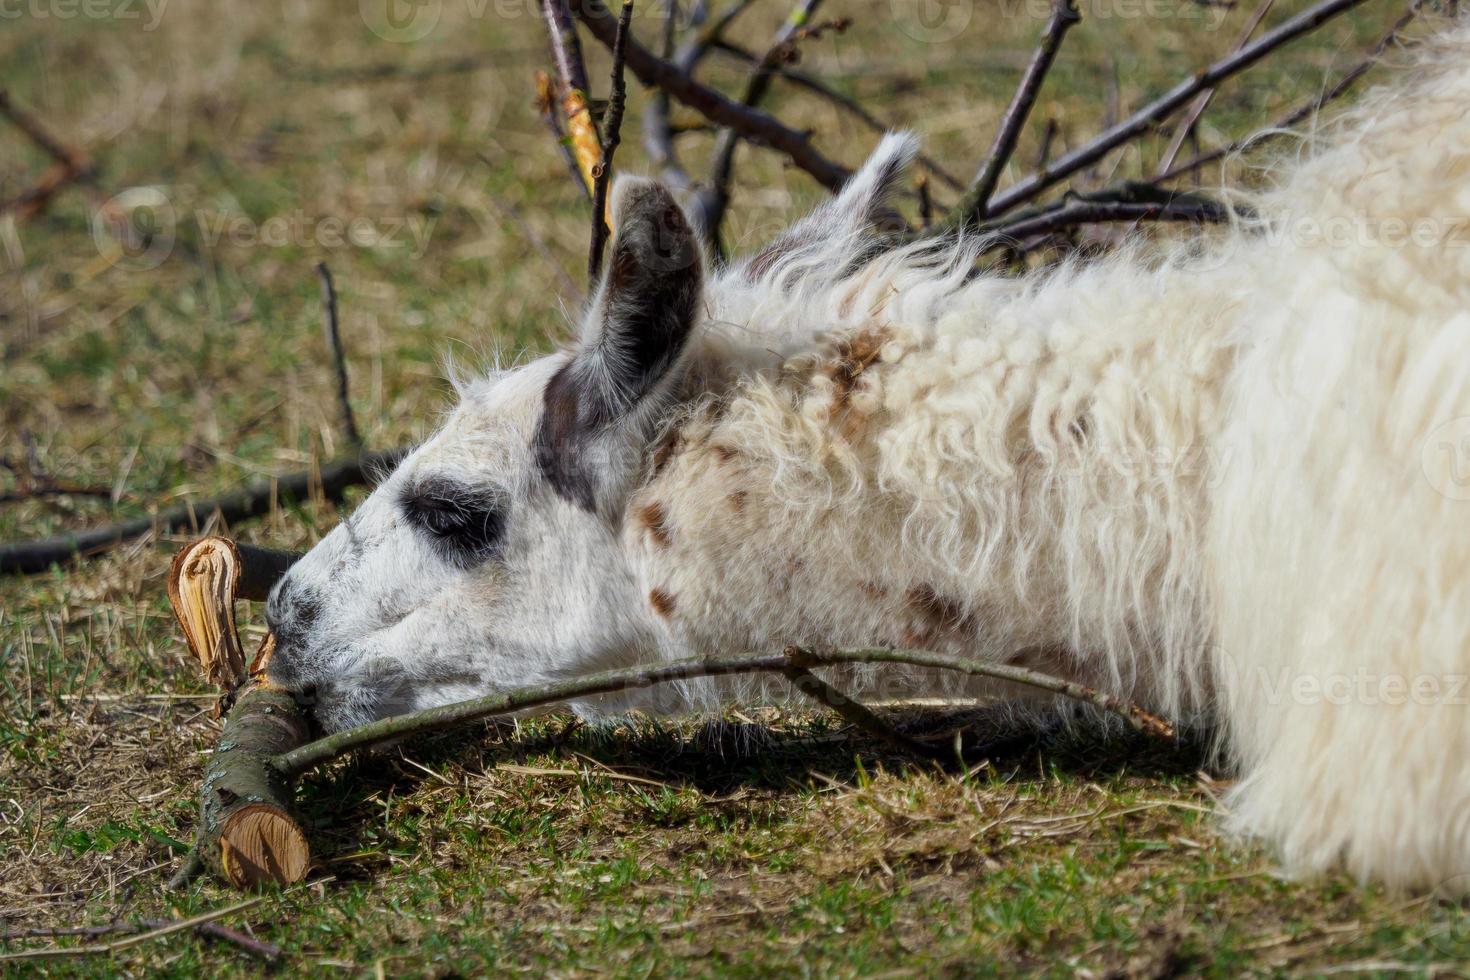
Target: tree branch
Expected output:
[339,359]
[612,136]
[1143,119]
[853,107]
[716,197]
[1307,108]
[573,88]
[1202,101]
[976,204]
[299,760]
[757,127]
[29,557]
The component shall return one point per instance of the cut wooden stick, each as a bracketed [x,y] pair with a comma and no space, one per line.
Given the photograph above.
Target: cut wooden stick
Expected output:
[247,832]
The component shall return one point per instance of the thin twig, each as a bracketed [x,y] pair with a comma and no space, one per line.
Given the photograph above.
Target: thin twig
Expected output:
[107,949]
[267,951]
[855,714]
[334,479]
[546,108]
[753,125]
[612,135]
[572,87]
[975,206]
[722,168]
[853,107]
[1308,108]
[1202,101]
[70,165]
[339,358]
[1140,122]
[297,761]
[1077,213]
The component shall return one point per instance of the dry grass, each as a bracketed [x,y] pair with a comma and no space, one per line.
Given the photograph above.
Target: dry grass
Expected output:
[746,848]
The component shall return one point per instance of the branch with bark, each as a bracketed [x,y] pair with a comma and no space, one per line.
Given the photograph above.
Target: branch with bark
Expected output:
[248,833]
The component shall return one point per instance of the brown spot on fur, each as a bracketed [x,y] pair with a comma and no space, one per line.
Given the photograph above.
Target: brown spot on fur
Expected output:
[662,602]
[655,520]
[851,356]
[726,453]
[873,590]
[737,499]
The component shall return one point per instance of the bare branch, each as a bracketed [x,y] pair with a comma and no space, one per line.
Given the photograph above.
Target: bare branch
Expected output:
[975,206]
[755,126]
[1141,121]
[572,88]
[297,761]
[69,165]
[816,86]
[29,557]
[1202,101]
[716,196]
[1309,108]
[612,136]
[546,107]
[339,358]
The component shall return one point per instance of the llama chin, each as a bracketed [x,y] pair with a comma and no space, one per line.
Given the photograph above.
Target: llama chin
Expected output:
[1226,478]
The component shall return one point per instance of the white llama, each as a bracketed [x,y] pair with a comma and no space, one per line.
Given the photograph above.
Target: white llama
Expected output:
[1220,480]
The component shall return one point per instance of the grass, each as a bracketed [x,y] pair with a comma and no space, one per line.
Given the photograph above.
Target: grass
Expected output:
[771,843]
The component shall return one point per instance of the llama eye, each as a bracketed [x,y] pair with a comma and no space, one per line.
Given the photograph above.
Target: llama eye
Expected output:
[465,522]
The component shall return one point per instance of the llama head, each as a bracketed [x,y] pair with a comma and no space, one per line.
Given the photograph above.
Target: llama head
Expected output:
[491,557]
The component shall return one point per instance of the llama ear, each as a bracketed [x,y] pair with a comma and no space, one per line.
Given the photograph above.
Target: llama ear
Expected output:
[845,225]
[636,331]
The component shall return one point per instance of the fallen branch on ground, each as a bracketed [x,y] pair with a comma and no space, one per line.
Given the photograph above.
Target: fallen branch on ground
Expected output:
[164,929]
[247,832]
[332,481]
[69,166]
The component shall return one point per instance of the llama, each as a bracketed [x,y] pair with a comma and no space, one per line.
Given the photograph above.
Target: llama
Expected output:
[1218,478]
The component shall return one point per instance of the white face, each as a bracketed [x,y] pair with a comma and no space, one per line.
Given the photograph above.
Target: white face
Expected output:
[490,557]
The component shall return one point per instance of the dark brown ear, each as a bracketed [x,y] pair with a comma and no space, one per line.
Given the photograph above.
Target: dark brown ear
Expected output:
[636,331]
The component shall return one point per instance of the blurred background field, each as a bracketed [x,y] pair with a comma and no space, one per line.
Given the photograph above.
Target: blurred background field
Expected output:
[400,145]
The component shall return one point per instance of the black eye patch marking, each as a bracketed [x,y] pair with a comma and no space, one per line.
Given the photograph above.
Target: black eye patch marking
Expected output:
[465,523]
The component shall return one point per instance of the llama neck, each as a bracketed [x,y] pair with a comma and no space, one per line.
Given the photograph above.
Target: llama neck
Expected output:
[1000,481]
